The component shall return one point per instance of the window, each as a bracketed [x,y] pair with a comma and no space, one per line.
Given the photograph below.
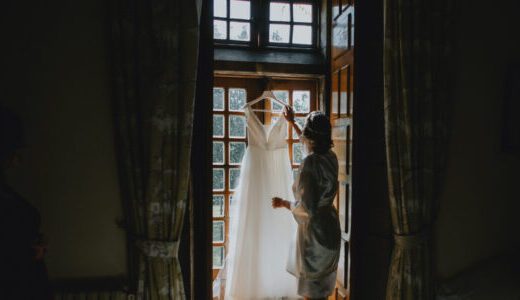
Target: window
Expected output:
[260,24]
[232,20]
[290,23]
[230,139]
[229,146]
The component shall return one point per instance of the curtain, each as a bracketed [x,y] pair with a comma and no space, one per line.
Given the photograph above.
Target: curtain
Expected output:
[154,55]
[416,114]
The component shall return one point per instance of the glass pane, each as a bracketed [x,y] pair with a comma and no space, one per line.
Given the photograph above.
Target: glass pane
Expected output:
[237,126]
[240,9]
[234,176]
[302,34]
[220,8]
[218,206]
[218,125]
[218,257]
[302,13]
[218,99]
[295,173]
[218,231]
[300,121]
[218,179]
[218,153]
[297,153]
[239,31]
[335,95]
[279,33]
[219,30]
[282,96]
[301,101]
[237,99]
[343,100]
[231,199]
[236,152]
[279,12]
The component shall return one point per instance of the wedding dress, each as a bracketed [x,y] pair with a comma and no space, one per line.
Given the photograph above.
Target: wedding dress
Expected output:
[260,236]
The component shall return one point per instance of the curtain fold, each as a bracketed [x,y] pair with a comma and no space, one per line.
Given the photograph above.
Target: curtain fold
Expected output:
[416,113]
[154,55]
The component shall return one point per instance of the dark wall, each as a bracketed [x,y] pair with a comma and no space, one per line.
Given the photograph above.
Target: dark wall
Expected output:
[479,207]
[54,73]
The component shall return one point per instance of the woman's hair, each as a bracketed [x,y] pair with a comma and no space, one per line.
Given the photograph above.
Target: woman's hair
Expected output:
[317,129]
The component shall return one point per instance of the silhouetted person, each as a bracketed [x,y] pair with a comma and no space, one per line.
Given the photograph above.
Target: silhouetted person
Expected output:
[22,270]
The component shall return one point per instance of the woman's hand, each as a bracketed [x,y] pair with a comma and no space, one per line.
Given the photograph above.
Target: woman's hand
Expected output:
[279,202]
[288,114]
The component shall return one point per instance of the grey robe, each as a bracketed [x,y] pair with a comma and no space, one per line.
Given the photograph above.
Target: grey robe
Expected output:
[317,245]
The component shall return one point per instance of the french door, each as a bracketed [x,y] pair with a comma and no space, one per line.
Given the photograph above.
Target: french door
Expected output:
[230,138]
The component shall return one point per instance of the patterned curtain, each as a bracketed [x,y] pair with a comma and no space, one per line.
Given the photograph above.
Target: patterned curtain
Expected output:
[154,54]
[416,111]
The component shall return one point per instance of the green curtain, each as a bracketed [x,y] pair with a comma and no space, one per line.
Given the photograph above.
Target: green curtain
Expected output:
[154,54]
[416,113]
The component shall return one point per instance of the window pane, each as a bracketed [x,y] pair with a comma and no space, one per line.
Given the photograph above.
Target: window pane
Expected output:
[282,96]
[220,8]
[218,179]
[218,206]
[302,34]
[300,121]
[236,152]
[279,33]
[218,153]
[240,9]
[219,30]
[218,125]
[301,101]
[297,153]
[237,126]
[234,176]
[218,99]
[302,13]
[279,12]
[237,99]
[218,257]
[218,231]
[295,173]
[239,31]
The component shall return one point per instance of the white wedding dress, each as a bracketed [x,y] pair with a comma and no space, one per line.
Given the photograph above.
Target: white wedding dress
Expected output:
[260,236]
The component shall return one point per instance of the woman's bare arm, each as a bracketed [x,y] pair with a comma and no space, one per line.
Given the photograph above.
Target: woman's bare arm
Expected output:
[288,114]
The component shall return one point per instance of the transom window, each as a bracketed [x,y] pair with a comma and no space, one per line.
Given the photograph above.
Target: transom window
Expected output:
[290,23]
[232,20]
[260,24]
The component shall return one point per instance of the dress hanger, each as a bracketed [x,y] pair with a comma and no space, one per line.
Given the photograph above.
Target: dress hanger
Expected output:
[267,94]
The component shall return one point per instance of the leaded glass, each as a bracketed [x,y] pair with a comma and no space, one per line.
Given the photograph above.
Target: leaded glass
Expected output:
[237,99]
[218,179]
[236,152]
[218,153]
[218,126]
[237,126]
[301,101]
[218,206]
[234,176]
[297,153]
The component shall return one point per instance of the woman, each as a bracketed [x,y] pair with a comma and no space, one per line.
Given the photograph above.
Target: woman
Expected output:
[316,251]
